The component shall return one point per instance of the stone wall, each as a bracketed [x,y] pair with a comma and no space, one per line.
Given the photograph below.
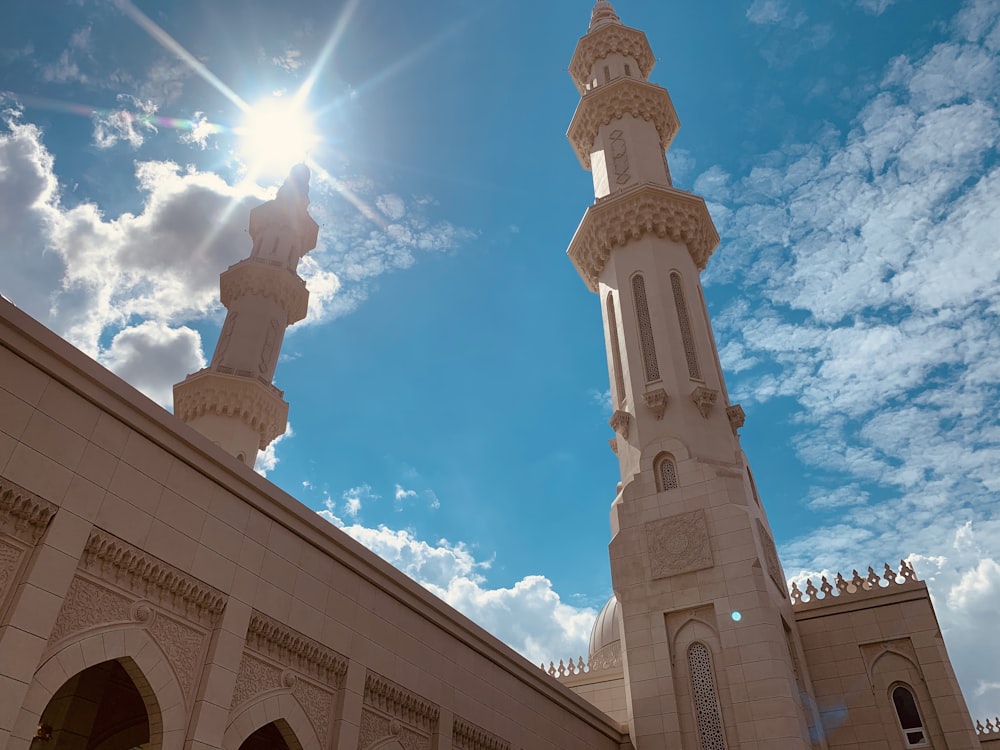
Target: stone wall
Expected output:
[125,535]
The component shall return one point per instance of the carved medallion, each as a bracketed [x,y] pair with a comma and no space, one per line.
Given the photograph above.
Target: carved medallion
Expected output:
[679,544]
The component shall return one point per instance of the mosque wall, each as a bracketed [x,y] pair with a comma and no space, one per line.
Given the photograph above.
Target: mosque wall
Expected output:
[879,667]
[126,537]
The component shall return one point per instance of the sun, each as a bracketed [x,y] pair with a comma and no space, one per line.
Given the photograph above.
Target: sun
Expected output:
[276,133]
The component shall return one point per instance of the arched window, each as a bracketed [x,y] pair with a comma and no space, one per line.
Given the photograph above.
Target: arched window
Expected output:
[694,371]
[706,700]
[649,364]
[616,354]
[666,473]
[607,74]
[910,722]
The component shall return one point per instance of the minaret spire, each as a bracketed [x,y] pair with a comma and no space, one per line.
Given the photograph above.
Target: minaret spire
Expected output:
[232,401]
[709,643]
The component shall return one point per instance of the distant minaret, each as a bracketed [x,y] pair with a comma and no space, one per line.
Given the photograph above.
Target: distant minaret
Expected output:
[232,402]
[711,654]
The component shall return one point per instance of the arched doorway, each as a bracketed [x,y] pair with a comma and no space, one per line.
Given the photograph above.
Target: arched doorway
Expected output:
[276,735]
[100,708]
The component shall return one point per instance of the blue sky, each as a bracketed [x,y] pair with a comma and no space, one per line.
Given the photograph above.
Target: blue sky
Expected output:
[449,390]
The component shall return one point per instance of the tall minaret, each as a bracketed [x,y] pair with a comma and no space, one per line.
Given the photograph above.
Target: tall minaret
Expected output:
[711,653]
[232,401]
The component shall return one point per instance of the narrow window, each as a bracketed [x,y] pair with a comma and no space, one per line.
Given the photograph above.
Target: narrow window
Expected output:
[706,700]
[666,473]
[616,355]
[694,371]
[649,363]
[909,717]
[628,70]
[607,74]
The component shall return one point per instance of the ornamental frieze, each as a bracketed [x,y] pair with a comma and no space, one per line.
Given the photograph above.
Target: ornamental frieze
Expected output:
[255,277]
[467,736]
[610,39]
[615,100]
[259,404]
[23,515]
[617,220]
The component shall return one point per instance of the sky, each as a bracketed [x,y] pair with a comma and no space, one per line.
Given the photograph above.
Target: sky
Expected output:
[449,389]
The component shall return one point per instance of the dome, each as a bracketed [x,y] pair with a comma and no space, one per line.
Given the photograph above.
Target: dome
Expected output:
[605,638]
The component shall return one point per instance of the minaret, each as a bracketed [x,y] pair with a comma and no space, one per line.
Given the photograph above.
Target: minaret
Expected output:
[233,402]
[711,654]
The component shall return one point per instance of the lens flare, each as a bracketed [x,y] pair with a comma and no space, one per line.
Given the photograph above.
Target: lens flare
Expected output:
[276,134]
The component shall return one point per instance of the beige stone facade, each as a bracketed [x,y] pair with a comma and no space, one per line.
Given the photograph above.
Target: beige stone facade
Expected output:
[156,593]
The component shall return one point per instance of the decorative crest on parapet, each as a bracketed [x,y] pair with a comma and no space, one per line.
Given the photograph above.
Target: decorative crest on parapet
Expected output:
[609,39]
[467,736]
[294,649]
[149,576]
[613,101]
[396,701]
[633,213]
[989,730]
[842,586]
[604,661]
[23,514]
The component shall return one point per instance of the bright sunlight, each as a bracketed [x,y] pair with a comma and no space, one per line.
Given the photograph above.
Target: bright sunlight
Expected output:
[276,134]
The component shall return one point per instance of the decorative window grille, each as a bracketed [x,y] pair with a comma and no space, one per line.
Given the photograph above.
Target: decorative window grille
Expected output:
[650,366]
[706,699]
[694,371]
[616,355]
[666,473]
[910,722]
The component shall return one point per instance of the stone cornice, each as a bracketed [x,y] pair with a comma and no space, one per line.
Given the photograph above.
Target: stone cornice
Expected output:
[468,736]
[612,101]
[289,647]
[604,41]
[274,282]
[259,406]
[23,514]
[622,217]
[393,700]
[112,559]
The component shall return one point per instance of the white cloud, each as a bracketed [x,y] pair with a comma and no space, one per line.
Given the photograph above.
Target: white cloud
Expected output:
[354,499]
[529,615]
[267,459]
[402,495]
[764,12]
[872,263]
[289,60]
[127,125]
[875,7]
[152,356]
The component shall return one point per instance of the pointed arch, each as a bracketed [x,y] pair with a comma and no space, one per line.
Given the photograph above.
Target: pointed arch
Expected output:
[665,468]
[704,691]
[295,726]
[651,367]
[684,322]
[908,716]
[139,656]
[616,352]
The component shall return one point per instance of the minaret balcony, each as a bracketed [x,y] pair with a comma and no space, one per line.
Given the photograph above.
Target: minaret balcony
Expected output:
[255,276]
[630,215]
[606,40]
[615,100]
[260,405]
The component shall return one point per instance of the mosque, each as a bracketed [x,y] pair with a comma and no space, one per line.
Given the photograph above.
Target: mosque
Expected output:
[156,593]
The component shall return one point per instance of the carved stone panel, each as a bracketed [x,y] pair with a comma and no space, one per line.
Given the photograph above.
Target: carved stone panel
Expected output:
[88,605]
[679,544]
[11,556]
[255,676]
[771,560]
[467,736]
[378,731]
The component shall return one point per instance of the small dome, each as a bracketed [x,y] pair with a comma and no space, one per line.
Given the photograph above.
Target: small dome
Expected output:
[606,635]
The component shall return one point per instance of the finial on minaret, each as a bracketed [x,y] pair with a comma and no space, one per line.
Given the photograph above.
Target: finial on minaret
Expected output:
[232,401]
[602,14]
